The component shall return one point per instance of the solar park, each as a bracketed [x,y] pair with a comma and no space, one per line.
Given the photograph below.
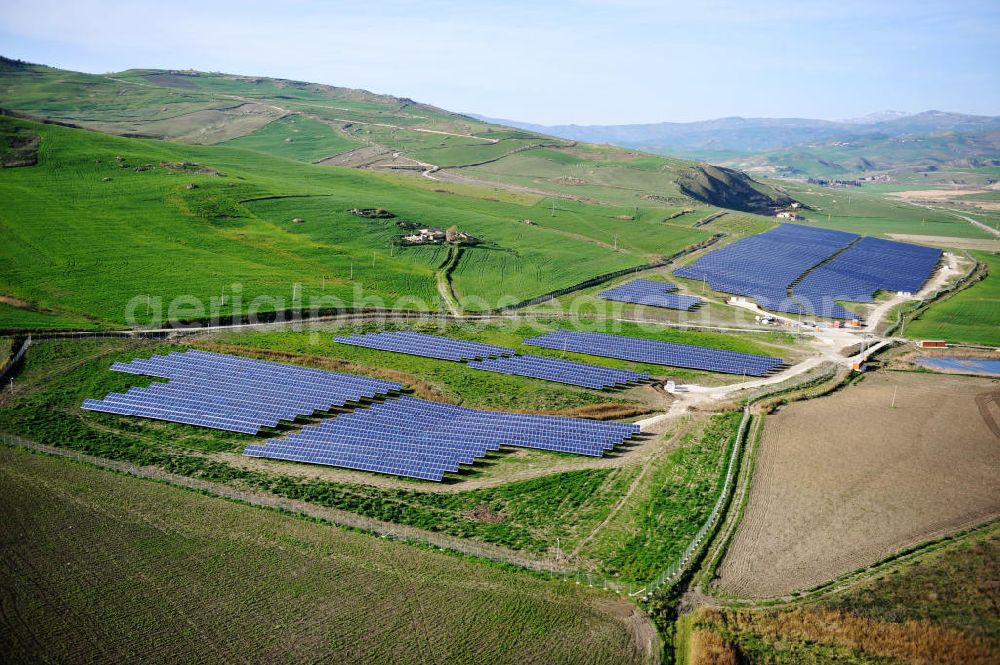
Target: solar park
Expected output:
[401,436]
[804,270]
[649,292]
[233,393]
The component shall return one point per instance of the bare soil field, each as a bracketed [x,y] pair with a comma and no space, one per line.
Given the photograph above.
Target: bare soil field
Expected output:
[949,242]
[846,480]
[941,194]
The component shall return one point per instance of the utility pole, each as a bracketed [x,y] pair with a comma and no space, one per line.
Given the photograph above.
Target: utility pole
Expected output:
[222,293]
[616,242]
[894,389]
[352,271]
[553,208]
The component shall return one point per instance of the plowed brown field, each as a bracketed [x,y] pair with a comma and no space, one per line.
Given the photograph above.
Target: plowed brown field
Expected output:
[845,480]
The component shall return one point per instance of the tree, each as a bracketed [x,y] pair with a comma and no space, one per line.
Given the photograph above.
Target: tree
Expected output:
[451,235]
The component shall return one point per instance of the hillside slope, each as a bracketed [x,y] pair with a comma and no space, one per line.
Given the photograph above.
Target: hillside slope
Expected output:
[185,231]
[348,127]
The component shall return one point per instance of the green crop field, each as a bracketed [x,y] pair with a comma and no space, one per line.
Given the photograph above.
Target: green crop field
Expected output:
[295,137]
[971,316]
[122,569]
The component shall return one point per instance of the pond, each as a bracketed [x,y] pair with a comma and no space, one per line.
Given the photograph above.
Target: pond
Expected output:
[964,365]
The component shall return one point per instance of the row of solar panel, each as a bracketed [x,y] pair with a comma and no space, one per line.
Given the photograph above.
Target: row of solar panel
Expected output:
[562,371]
[657,353]
[234,393]
[427,346]
[495,359]
[652,293]
[420,439]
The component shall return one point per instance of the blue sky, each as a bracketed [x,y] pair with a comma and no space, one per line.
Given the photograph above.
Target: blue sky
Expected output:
[596,62]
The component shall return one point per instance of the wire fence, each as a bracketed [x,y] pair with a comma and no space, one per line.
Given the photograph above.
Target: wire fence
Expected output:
[675,570]
[10,369]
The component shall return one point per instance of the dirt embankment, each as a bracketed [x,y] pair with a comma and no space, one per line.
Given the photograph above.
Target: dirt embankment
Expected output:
[731,189]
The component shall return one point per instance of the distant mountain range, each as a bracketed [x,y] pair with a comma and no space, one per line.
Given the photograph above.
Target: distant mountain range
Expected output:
[880,141]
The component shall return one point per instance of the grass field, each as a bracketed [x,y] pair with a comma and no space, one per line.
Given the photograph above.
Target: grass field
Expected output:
[971,316]
[295,137]
[937,608]
[84,246]
[869,211]
[107,567]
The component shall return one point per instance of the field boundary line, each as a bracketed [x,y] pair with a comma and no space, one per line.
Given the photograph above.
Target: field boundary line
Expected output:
[14,364]
[334,516]
[688,558]
[854,578]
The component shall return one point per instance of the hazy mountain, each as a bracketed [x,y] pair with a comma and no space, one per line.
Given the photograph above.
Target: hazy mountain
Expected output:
[877,116]
[880,141]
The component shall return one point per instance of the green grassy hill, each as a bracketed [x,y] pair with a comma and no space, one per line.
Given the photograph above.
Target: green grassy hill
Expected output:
[101,220]
[310,122]
[199,189]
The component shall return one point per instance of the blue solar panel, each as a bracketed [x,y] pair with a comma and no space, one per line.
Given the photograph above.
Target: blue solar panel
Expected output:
[420,439]
[650,292]
[562,371]
[658,353]
[792,256]
[870,265]
[764,266]
[427,346]
[233,393]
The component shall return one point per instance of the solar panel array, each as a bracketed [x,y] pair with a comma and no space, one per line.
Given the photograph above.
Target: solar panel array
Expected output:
[650,292]
[870,265]
[234,393]
[496,359]
[658,353]
[563,371]
[420,439]
[764,265]
[427,346]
